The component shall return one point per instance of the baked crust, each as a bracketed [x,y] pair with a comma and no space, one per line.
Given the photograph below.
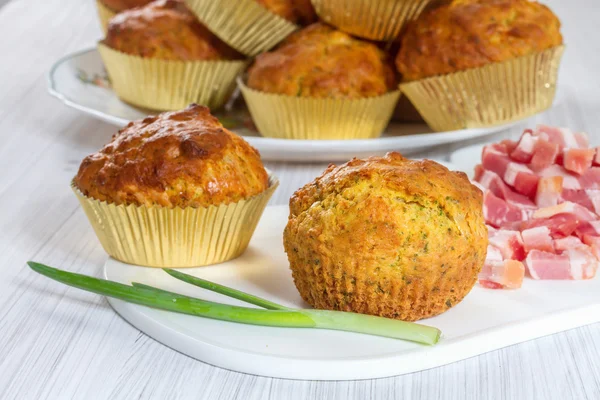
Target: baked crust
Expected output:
[319,61]
[176,159]
[165,29]
[464,34]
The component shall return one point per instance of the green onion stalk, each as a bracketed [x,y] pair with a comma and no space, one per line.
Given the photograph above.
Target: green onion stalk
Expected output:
[273,315]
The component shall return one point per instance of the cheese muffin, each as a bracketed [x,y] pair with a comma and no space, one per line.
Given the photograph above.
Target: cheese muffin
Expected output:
[386,236]
[167,30]
[464,34]
[174,190]
[322,62]
[177,159]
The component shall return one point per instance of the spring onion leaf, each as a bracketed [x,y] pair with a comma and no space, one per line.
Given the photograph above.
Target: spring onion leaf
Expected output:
[227,291]
[291,318]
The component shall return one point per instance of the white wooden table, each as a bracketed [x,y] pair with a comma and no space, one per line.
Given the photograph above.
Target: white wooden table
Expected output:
[57,342]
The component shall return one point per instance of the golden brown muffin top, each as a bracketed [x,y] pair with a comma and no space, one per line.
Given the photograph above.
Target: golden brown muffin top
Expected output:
[176,159]
[319,61]
[122,5]
[299,12]
[419,179]
[467,34]
[167,30]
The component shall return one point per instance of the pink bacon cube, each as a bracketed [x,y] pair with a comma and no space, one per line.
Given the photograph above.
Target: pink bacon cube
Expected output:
[578,160]
[549,191]
[538,238]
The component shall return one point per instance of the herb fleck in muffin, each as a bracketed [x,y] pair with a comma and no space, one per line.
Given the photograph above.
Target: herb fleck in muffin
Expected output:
[386,236]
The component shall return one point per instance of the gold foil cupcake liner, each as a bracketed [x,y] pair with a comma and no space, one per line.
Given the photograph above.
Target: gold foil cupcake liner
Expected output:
[175,237]
[245,25]
[170,85]
[290,117]
[370,19]
[363,290]
[494,94]
[104,14]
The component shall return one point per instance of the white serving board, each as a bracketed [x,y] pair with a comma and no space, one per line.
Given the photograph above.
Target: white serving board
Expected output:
[79,80]
[486,320]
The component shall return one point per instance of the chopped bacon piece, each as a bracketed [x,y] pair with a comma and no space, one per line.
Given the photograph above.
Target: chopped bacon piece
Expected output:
[549,191]
[583,262]
[507,274]
[498,273]
[597,157]
[567,207]
[489,284]
[510,145]
[522,179]
[560,225]
[498,212]
[562,136]
[544,154]
[509,243]
[524,150]
[578,160]
[537,239]
[591,240]
[594,196]
[545,265]
[569,242]
[495,160]
[496,185]
[590,178]
[588,228]
[570,181]
[578,196]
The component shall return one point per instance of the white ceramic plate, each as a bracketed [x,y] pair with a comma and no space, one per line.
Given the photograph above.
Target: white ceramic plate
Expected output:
[467,158]
[79,80]
[486,320]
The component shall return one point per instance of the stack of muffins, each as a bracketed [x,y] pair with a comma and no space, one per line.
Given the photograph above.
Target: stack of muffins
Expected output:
[325,70]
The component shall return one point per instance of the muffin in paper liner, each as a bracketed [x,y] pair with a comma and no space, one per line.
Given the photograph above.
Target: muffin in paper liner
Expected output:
[290,117]
[380,20]
[170,85]
[245,25]
[104,14]
[494,94]
[175,237]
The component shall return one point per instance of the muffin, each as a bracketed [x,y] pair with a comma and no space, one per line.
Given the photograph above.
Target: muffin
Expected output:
[467,34]
[497,58]
[299,12]
[253,26]
[381,20]
[108,8]
[161,57]
[121,5]
[321,83]
[176,189]
[386,236]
